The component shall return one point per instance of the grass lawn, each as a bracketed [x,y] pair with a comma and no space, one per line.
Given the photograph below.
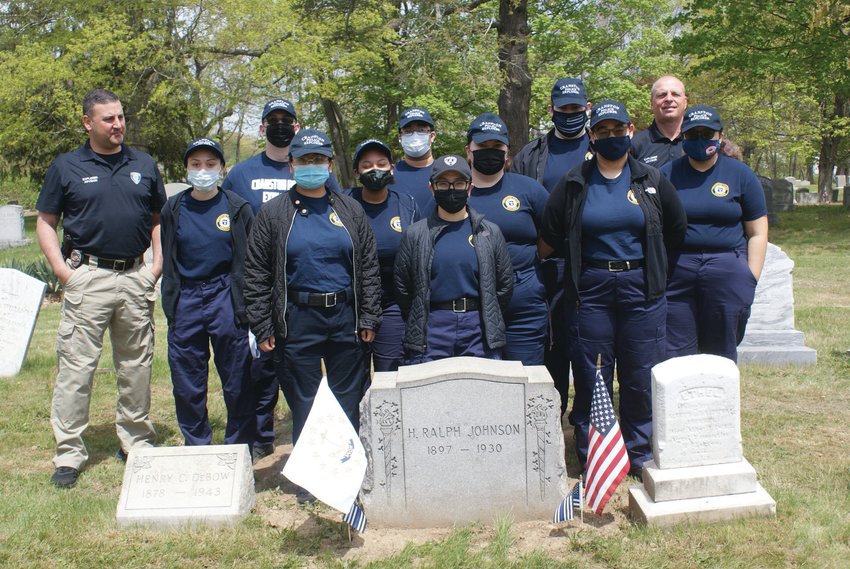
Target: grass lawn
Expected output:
[795,424]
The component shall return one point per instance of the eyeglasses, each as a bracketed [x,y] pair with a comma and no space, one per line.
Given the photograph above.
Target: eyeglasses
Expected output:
[443,185]
[416,130]
[602,133]
[698,132]
[311,161]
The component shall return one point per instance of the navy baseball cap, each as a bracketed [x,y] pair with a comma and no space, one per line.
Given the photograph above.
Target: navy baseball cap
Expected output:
[279,105]
[569,91]
[701,115]
[609,110]
[203,143]
[414,114]
[372,144]
[450,163]
[487,127]
[311,141]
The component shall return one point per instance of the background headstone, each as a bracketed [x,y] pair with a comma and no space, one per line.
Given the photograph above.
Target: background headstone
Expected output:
[172,486]
[20,301]
[12,227]
[771,338]
[767,188]
[783,195]
[462,440]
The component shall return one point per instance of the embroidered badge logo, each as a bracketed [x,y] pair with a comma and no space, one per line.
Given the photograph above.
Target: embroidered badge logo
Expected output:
[335,219]
[631,197]
[720,190]
[223,222]
[511,203]
[395,223]
[450,160]
[471,244]
[136,177]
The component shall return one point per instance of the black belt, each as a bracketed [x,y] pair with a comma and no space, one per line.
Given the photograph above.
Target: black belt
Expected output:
[615,266]
[457,305]
[113,264]
[318,299]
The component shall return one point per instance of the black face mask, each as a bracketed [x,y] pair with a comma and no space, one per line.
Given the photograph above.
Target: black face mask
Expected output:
[280,134]
[451,201]
[376,179]
[569,124]
[488,160]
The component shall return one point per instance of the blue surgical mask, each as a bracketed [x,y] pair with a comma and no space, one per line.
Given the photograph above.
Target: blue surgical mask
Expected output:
[613,147]
[416,144]
[569,124]
[203,180]
[701,149]
[311,176]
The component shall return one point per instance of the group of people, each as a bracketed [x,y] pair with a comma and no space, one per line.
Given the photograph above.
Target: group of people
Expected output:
[590,241]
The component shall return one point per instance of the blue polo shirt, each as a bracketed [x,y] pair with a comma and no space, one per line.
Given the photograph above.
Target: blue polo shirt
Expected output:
[414,181]
[318,250]
[454,266]
[204,246]
[612,222]
[717,201]
[259,179]
[515,203]
[106,208]
[564,155]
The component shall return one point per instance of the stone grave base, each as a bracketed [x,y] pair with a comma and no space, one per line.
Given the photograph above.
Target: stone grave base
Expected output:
[664,485]
[710,509]
[776,347]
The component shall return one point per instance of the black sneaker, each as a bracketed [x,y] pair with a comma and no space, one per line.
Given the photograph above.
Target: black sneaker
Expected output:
[121,455]
[260,452]
[65,477]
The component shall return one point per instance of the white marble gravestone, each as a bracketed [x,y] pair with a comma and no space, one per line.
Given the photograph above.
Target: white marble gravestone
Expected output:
[462,440]
[20,301]
[698,471]
[173,486]
[12,227]
[771,338]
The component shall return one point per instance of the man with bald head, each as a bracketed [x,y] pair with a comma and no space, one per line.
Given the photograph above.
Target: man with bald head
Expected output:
[662,141]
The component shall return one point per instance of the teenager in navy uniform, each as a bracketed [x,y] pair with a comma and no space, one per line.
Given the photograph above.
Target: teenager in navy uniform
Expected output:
[389,213]
[312,284]
[515,203]
[108,197]
[257,180]
[713,280]
[661,142]
[453,275]
[614,219]
[416,135]
[204,240]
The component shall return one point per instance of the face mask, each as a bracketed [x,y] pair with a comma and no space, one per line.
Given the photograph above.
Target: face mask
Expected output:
[311,176]
[569,124]
[280,134]
[613,147]
[417,144]
[488,160]
[701,149]
[451,201]
[376,179]
[203,180]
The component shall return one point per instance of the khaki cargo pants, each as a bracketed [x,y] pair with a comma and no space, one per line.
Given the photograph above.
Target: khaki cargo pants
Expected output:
[96,300]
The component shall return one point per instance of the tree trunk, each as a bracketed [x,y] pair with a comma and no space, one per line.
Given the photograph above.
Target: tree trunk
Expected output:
[837,108]
[338,131]
[515,91]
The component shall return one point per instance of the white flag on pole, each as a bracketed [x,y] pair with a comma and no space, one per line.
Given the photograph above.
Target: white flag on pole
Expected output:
[328,460]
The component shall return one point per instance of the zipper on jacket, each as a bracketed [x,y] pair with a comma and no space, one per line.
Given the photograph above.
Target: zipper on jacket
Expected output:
[285,292]
[354,278]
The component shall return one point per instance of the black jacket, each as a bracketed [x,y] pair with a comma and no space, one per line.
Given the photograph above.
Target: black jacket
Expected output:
[241,217]
[413,278]
[531,160]
[665,222]
[265,277]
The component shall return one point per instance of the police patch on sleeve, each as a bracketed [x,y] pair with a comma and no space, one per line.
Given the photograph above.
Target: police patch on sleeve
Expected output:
[720,190]
[395,223]
[630,195]
[511,203]
[223,222]
[335,219]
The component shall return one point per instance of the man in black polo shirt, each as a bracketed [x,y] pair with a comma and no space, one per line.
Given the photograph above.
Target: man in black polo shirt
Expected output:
[108,197]
[662,141]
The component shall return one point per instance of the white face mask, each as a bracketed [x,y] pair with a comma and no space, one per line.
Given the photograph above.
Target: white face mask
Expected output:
[416,144]
[203,180]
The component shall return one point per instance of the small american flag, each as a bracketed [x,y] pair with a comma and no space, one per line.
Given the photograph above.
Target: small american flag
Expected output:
[356,518]
[607,460]
[566,509]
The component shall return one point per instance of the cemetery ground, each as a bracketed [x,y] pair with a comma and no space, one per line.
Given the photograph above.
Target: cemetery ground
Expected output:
[795,425]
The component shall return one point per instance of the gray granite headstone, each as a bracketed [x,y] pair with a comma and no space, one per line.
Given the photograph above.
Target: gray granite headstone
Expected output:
[771,338]
[20,301]
[173,486]
[12,227]
[462,440]
[783,195]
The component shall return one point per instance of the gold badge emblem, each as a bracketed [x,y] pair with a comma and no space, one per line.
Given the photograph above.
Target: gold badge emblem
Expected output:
[395,223]
[511,203]
[223,222]
[335,219]
[471,244]
[720,190]
[631,197]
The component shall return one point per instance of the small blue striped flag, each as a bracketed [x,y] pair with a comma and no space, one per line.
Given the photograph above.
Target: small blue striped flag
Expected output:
[356,518]
[566,509]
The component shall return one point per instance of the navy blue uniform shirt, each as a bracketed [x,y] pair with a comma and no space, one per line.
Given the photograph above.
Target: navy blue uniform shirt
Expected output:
[612,223]
[454,267]
[414,182]
[653,148]
[318,250]
[564,155]
[204,247]
[106,210]
[717,201]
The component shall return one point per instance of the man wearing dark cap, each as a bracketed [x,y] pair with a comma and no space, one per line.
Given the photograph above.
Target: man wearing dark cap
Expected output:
[204,240]
[108,197]
[661,142]
[416,135]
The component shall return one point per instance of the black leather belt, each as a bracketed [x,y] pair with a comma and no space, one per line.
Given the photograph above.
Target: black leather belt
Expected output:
[318,299]
[113,264]
[615,266]
[457,305]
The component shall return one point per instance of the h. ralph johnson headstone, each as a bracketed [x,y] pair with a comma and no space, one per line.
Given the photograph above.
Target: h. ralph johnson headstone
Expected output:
[461,440]
[698,471]
[20,300]
[170,486]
